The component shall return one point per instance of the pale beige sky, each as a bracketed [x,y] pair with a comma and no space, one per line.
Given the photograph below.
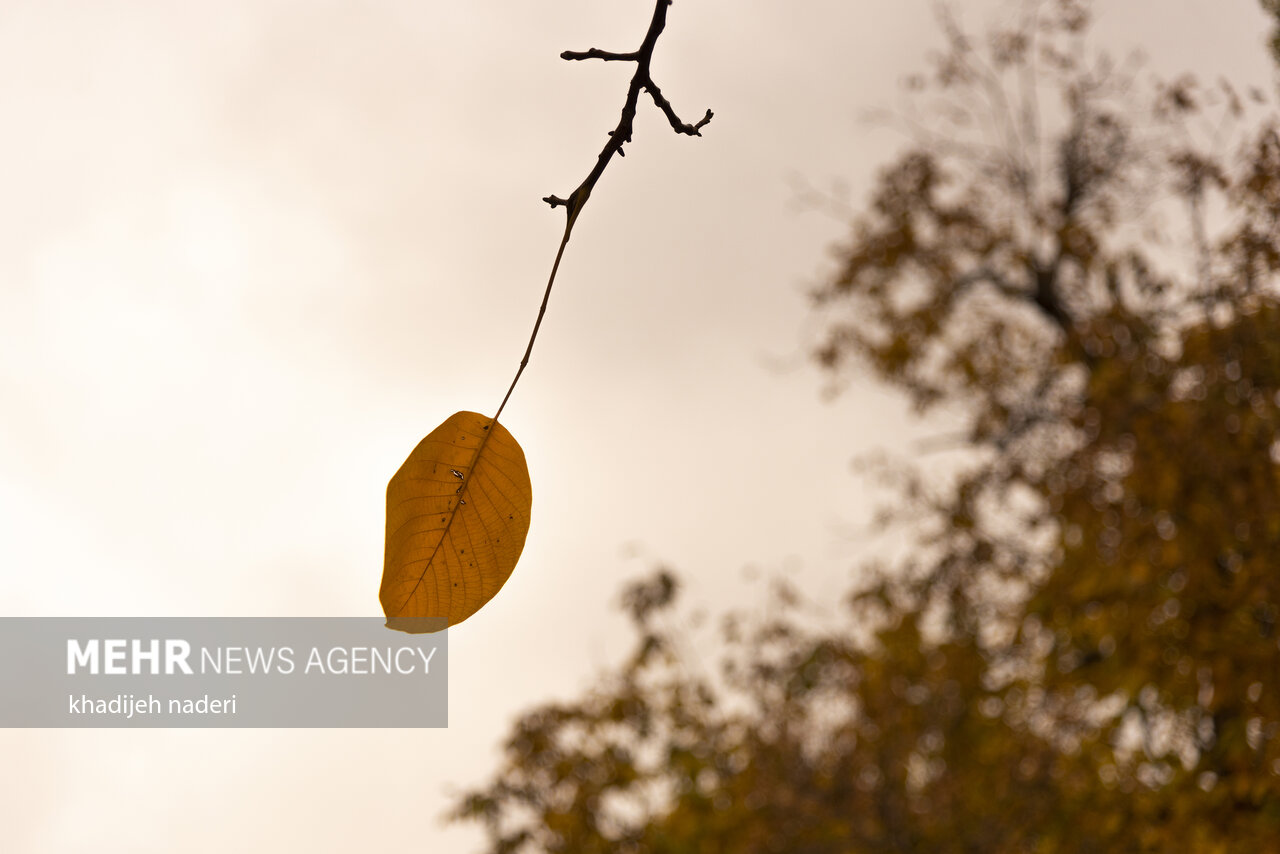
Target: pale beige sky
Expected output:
[253,251]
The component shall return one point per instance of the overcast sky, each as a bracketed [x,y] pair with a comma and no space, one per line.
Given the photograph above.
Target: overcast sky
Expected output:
[251,252]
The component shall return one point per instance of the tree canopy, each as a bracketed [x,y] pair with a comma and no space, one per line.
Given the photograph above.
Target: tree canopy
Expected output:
[1080,650]
[1272,7]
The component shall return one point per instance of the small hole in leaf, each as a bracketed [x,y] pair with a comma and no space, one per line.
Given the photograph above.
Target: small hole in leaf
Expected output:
[456,473]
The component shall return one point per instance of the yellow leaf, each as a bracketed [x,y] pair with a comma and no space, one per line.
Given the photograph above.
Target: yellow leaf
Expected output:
[457,515]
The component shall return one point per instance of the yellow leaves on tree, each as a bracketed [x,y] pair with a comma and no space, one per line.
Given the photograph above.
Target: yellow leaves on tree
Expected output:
[457,516]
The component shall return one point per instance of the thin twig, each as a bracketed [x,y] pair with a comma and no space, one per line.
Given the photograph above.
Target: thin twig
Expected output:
[596,53]
[640,81]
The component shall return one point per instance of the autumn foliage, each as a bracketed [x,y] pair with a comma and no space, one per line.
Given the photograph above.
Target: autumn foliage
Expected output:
[1081,650]
[458,513]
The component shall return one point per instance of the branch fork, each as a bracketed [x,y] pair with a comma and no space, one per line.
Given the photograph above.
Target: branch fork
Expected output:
[642,80]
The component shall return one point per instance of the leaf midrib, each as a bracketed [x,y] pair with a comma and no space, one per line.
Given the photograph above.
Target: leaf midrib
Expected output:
[488,431]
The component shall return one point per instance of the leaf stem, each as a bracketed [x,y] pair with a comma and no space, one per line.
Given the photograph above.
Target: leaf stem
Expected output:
[542,309]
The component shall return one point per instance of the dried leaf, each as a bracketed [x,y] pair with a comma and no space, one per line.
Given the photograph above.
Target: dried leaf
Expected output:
[457,515]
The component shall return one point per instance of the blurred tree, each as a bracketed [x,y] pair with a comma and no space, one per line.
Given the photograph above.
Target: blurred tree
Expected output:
[1272,7]
[1081,651]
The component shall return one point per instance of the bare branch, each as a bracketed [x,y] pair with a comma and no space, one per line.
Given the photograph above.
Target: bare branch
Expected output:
[596,53]
[621,134]
[642,79]
[665,105]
